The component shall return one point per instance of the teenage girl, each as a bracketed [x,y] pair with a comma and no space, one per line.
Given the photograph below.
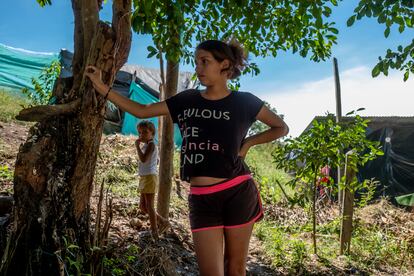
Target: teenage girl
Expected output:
[224,201]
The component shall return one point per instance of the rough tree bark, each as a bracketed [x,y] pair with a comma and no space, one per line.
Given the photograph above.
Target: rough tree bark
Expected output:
[167,145]
[55,166]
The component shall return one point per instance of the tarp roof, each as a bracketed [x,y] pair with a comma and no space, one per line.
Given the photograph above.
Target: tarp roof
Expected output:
[149,78]
[375,122]
[19,66]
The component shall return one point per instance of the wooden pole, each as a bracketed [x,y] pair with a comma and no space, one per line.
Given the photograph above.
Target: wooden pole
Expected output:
[338,119]
[347,208]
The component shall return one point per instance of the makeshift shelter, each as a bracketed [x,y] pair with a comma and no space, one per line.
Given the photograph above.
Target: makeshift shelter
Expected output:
[129,126]
[139,84]
[395,169]
[19,66]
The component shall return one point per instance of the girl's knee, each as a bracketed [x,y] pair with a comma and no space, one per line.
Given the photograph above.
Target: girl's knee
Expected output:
[235,267]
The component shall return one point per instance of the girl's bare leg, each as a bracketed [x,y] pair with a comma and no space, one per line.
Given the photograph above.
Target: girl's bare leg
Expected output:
[236,249]
[208,246]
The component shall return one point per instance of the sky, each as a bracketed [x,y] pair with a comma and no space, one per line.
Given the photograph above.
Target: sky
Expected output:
[297,87]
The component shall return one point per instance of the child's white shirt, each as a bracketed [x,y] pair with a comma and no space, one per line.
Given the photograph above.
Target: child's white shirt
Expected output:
[151,165]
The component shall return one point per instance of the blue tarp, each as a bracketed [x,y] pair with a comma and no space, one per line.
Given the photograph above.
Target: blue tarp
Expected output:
[19,66]
[129,126]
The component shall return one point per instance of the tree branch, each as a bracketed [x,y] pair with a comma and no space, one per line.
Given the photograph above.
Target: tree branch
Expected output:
[90,18]
[121,24]
[39,113]
[77,62]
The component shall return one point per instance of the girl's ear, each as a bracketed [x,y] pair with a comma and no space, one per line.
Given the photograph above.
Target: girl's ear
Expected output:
[225,64]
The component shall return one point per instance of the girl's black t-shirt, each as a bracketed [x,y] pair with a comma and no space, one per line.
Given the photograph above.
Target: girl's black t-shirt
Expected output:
[213,132]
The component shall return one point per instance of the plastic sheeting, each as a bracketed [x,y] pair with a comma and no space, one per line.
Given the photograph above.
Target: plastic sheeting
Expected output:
[19,66]
[151,77]
[144,76]
[395,169]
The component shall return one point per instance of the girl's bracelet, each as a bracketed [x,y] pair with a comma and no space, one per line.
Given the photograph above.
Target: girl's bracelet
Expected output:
[107,93]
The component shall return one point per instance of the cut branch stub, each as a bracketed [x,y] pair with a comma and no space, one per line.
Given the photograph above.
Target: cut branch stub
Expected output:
[42,112]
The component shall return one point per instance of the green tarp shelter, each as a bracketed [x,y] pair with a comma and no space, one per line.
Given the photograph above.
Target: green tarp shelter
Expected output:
[139,94]
[19,66]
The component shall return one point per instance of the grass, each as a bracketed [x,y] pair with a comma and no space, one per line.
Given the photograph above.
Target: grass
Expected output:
[373,249]
[260,162]
[10,104]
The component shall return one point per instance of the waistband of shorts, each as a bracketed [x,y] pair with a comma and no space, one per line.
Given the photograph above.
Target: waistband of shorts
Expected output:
[221,186]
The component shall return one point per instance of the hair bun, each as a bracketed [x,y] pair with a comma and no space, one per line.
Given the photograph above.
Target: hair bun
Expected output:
[240,57]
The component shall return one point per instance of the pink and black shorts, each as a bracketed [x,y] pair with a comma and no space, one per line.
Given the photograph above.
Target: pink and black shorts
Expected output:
[229,204]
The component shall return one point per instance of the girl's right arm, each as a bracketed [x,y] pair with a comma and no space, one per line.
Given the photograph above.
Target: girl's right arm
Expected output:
[134,108]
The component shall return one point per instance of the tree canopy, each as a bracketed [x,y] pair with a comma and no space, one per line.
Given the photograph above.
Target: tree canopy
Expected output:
[397,13]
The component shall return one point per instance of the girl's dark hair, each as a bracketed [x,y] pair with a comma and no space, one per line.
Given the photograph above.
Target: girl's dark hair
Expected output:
[231,51]
[147,124]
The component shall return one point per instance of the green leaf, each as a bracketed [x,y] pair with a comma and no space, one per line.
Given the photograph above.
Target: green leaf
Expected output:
[351,21]
[382,18]
[376,71]
[43,3]
[150,55]
[406,75]
[151,49]
[334,30]
[387,32]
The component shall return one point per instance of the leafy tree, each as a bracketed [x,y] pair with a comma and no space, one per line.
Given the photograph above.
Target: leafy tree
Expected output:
[263,27]
[326,143]
[53,177]
[399,13]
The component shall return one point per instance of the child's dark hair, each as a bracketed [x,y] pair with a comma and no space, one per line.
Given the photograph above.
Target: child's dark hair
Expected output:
[231,51]
[147,124]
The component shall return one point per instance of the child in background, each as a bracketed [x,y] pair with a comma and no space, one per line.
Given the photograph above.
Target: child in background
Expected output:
[148,175]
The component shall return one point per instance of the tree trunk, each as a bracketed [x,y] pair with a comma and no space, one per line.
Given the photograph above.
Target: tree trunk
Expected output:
[167,145]
[347,211]
[314,197]
[55,166]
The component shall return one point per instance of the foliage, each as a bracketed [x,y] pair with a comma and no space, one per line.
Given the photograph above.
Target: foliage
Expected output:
[326,143]
[43,3]
[43,86]
[374,249]
[260,161]
[390,13]
[5,173]
[263,27]
[367,191]
[10,105]
[72,258]
[120,181]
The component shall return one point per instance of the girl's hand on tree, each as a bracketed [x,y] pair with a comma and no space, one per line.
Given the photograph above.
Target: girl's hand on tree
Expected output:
[94,74]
